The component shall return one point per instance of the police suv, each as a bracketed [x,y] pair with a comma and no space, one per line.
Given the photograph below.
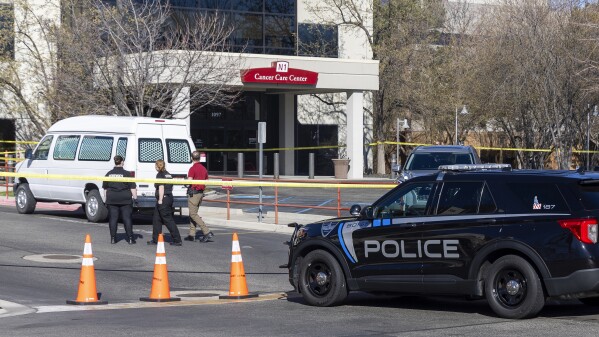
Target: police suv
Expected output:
[515,238]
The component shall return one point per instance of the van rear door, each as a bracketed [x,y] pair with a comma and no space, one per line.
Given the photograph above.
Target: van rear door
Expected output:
[178,154]
[163,141]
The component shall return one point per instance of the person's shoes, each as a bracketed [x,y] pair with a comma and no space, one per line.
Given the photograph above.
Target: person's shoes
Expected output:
[152,242]
[207,237]
[176,243]
[131,241]
[189,238]
[112,240]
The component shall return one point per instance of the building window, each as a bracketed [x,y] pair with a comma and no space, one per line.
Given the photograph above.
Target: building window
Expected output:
[7,42]
[317,40]
[259,26]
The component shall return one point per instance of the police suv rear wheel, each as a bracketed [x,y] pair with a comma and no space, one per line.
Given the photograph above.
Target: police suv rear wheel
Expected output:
[322,282]
[95,210]
[513,288]
[24,199]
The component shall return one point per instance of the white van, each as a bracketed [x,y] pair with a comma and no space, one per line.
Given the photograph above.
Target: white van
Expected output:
[86,145]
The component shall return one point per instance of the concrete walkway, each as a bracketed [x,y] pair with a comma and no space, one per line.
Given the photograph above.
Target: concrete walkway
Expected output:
[214,216]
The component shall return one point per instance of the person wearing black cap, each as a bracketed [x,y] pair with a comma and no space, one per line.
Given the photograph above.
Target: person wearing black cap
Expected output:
[119,198]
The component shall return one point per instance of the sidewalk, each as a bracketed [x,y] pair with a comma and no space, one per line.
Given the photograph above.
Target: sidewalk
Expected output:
[214,216]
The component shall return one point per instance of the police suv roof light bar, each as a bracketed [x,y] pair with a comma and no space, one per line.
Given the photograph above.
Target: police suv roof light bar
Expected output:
[476,167]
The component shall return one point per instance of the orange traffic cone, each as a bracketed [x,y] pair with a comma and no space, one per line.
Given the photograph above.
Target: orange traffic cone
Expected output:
[87,294]
[160,288]
[238,288]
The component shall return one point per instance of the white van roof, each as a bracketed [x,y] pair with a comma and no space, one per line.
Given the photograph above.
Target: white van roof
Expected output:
[108,124]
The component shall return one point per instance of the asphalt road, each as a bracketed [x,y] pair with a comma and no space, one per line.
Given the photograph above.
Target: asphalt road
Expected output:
[200,271]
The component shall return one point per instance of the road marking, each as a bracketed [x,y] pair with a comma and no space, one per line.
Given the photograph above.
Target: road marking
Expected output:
[253,208]
[141,305]
[321,204]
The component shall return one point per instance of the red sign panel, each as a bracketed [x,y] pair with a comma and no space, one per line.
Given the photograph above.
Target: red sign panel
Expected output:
[279,73]
[226,187]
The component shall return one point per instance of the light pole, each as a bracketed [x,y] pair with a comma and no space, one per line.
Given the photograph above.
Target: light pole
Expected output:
[595,113]
[404,125]
[463,112]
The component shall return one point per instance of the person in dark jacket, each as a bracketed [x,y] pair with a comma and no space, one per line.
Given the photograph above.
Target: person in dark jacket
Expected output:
[119,198]
[163,212]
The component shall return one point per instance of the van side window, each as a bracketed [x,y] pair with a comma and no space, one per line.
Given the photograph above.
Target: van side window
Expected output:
[43,149]
[66,147]
[96,148]
[150,150]
[121,147]
[178,151]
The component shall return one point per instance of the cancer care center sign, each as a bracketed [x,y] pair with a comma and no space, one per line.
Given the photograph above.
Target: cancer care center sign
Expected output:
[279,73]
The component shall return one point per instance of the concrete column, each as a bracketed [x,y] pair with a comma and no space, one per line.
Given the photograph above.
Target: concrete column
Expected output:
[355,134]
[182,106]
[287,133]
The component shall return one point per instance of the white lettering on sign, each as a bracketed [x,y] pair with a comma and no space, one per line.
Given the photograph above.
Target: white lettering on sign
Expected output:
[393,249]
[279,77]
[282,67]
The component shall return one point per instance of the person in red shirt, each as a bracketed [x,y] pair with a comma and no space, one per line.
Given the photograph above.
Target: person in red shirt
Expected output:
[195,194]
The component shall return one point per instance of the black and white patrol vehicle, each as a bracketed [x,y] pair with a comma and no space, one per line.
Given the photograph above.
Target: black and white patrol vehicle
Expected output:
[515,238]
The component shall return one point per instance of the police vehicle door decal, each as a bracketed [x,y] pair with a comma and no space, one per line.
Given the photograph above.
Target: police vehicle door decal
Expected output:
[345,233]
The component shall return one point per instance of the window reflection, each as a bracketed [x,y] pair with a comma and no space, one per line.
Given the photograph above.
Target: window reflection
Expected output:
[260,26]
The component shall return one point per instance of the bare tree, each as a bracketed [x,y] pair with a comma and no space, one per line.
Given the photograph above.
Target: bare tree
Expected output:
[527,75]
[398,33]
[79,57]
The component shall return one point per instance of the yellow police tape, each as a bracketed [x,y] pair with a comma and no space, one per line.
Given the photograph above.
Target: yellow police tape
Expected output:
[480,147]
[11,159]
[340,146]
[18,142]
[197,182]
[273,149]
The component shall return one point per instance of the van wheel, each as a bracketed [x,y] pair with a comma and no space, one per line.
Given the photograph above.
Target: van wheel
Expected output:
[513,288]
[322,282]
[24,200]
[95,209]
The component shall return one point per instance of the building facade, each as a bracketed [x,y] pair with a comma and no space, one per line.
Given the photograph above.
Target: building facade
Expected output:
[292,61]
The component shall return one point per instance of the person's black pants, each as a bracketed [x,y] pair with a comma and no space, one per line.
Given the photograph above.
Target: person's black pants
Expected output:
[163,215]
[125,211]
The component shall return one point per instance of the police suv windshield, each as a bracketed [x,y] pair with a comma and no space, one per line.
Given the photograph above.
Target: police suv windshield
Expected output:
[432,160]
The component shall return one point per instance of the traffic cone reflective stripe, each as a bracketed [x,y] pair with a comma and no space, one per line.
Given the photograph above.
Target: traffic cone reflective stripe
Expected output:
[160,288]
[87,294]
[238,287]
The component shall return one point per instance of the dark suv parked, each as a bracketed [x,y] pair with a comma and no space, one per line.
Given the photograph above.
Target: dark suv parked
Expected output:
[425,160]
[515,238]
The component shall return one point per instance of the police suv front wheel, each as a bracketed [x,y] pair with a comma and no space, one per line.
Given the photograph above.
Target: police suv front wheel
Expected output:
[322,282]
[513,288]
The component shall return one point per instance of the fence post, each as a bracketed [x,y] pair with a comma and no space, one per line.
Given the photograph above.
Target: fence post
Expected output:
[240,164]
[228,204]
[276,205]
[338,201]
[6,170]
[311,165]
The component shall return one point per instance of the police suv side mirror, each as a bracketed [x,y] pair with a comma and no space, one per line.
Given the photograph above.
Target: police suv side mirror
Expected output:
[28,154]
[355,210]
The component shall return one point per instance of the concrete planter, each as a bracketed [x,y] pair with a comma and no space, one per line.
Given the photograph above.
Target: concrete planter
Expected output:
[341,168]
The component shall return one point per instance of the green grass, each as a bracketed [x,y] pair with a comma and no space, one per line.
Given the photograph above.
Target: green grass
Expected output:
[3,191]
